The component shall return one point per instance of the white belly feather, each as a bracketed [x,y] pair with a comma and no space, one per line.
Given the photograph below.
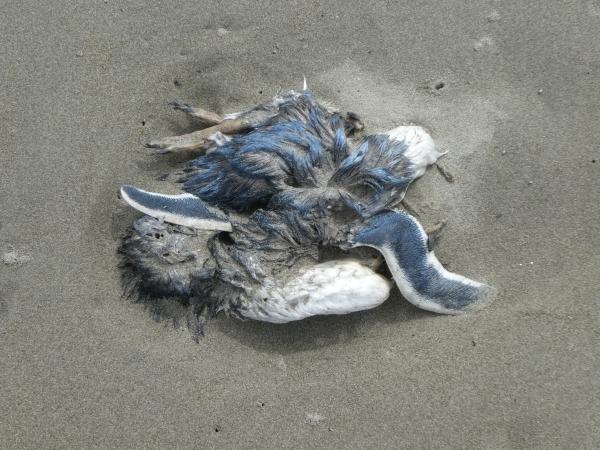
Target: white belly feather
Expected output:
[333,287]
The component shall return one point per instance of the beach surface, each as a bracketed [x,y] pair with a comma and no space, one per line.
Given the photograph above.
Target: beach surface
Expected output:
[510,89]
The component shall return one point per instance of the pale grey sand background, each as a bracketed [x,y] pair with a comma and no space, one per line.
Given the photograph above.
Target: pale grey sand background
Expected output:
[519,113]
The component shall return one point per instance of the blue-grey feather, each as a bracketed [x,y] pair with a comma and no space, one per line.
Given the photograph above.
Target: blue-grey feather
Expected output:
[403,236]
[301,160]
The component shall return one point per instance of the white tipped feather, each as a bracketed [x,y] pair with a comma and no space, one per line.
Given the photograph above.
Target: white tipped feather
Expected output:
[305,85]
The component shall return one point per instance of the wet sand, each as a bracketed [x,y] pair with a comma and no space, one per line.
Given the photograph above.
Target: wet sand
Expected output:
[511,90]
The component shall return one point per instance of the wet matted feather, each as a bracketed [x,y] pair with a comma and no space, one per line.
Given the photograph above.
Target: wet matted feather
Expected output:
[282,212]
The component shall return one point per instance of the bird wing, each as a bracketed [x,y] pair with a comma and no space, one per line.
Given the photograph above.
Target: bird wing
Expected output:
[184,209]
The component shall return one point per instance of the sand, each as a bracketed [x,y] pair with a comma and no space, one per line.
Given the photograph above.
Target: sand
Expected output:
[84,83]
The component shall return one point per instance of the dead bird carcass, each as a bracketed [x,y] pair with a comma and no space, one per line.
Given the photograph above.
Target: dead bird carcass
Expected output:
[271,190]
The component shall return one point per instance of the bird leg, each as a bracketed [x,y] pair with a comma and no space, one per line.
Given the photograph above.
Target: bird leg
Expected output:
[199,140]
[433,233]
[208,117]
[408,207]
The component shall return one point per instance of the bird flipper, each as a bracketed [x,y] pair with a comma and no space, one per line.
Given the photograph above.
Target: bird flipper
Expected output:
[183,209]
[418,273]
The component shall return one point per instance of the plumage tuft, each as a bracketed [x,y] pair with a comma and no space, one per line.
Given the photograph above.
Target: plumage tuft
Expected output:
[290,185]
[304,147]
